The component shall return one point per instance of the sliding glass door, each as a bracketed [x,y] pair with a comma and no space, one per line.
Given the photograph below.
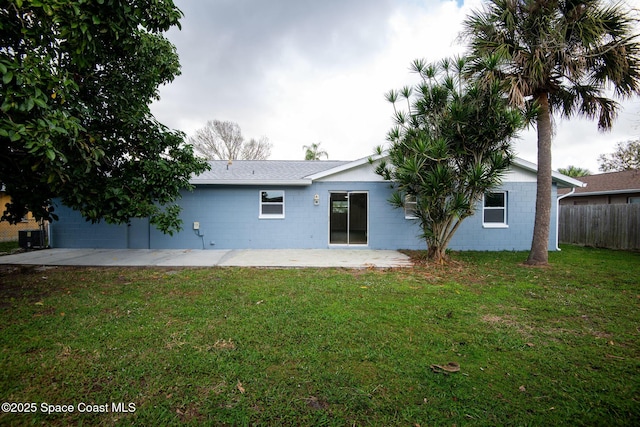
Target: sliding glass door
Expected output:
[348,218]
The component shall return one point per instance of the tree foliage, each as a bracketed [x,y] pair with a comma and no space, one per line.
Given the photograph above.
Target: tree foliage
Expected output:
[574,171]
[560,57]
[314,152]
[450,145]
[223,140]
[626,157]
[77,81]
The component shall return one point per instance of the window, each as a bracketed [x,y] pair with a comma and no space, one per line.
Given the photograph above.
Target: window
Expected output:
[410,207]
[634,199]
[272,204]
[494,212]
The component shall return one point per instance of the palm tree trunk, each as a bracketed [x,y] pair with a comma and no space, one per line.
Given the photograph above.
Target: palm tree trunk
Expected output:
[539,254]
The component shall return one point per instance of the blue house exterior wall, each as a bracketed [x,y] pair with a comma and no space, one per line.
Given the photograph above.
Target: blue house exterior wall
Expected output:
[472,236]
[72,231]
[229,219]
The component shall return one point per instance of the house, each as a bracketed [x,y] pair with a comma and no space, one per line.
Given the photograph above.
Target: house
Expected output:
[11,232]
[605,189]
[313,204]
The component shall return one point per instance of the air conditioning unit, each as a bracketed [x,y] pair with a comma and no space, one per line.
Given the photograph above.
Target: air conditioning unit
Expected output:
[31,239]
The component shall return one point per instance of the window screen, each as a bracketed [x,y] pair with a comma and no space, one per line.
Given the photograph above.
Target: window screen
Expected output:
[272,204]
[495,209]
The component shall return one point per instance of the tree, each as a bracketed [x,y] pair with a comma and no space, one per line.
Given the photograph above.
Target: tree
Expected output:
[449,147]
[313,152]
[77,81]
[559,57]
[574,171]
[219,140]
[626,157]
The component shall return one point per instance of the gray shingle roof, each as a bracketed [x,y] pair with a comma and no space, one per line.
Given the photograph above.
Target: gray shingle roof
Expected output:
[291,172]
[302,172]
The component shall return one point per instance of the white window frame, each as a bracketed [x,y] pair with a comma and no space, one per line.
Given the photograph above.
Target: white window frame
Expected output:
[349,193]
[410,201]
[504,208]
[262,203]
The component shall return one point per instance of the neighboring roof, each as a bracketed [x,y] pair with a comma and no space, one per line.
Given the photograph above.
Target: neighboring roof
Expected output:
[265,172]
[610,183]
[304,172]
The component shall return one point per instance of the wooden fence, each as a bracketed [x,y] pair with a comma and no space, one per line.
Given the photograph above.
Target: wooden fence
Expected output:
[605,226]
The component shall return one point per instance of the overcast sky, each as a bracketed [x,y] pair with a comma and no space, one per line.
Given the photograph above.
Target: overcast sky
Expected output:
[306,71]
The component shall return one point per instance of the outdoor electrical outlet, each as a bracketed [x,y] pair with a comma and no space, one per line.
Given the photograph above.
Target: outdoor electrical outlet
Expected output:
[196,226]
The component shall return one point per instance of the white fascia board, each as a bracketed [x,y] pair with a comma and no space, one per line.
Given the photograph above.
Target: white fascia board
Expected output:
[605,192]
[562,180]
[288,183]
[345,167]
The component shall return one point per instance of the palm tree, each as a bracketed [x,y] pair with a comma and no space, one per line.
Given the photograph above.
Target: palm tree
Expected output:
[557,57]
[574,171]
[313,152]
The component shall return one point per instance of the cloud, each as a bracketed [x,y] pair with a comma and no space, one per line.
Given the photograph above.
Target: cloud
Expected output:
[230,51]
[300,72]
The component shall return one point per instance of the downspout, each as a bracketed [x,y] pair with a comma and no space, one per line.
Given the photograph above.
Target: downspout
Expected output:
[573,190]
[49,236]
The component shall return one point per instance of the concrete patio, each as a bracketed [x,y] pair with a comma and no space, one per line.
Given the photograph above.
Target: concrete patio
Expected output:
[274,258]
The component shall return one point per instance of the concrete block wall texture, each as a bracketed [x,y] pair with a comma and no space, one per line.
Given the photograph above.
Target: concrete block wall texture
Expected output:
[228,217]
[231,219]
[72,231]
[472,235]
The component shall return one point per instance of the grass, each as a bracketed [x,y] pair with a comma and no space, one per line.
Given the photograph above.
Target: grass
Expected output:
[8,246]
[230,346]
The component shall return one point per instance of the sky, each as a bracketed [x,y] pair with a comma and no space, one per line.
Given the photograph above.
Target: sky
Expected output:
[305,71]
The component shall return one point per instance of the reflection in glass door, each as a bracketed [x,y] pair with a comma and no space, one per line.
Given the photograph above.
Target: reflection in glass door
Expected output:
[348,218]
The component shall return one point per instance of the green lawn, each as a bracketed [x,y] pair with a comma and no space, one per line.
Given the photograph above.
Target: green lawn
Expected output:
[236,346]
[8,246]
